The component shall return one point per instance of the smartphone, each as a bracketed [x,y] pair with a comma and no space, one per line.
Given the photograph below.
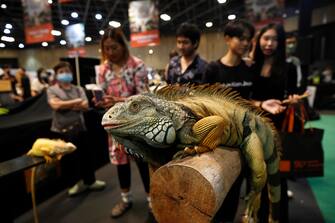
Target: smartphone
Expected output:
[98,94]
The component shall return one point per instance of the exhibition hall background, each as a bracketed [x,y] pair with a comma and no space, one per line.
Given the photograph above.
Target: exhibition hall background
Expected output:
[212,45]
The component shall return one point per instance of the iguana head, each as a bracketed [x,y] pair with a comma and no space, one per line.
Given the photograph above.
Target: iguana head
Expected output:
[144,124]
[62,147]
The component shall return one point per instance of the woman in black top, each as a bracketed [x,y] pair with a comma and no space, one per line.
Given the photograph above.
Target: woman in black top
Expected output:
[274,79]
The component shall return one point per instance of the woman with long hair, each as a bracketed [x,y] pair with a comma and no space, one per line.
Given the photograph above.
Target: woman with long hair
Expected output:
[275,78]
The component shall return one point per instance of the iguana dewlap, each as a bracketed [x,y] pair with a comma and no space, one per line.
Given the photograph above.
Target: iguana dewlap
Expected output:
[51,148]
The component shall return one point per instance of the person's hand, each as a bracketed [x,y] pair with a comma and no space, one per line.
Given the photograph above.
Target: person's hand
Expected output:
[108,101]
[77,104]
[77,101]
[294,98]
[248,61]
[273,106]
[98,104]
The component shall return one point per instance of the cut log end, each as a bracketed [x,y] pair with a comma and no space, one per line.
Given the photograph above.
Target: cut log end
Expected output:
[193,189]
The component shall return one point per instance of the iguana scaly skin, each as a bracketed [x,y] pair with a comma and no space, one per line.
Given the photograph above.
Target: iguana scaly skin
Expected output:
[199,119]
[51,148]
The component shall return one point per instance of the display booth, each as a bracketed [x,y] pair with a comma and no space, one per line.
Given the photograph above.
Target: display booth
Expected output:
[29,120]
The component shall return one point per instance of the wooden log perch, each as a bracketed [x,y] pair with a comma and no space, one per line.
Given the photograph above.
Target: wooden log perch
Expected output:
[192,189]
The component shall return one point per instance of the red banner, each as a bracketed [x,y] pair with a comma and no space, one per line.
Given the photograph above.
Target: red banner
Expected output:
[38,34]
[37,21]
[64,1]
[149,38]
[77,52]
[143,23]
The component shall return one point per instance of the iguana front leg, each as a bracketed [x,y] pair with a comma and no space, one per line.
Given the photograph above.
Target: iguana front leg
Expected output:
[209,130]
[48,159]
[253,151]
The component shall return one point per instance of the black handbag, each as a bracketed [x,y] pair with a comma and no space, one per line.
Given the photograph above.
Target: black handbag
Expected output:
[302,147]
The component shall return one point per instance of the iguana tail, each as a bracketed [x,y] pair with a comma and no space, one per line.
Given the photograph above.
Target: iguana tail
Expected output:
[274,182]
[33,195]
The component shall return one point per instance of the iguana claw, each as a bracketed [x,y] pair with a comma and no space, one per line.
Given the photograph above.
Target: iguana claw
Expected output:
[188,151]
[48,159]
[253,202]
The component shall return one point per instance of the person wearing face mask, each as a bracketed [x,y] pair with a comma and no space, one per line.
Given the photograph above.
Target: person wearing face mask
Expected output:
[40,83]
[68,103]
[291,48]
[188,67]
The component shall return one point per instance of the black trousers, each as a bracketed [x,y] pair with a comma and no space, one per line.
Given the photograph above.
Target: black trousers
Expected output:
[124,174]
[263,213]
[79,164]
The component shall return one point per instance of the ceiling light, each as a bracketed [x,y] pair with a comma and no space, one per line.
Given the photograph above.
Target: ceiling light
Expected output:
[74,15]
[222,1]
[56,33]
[209,24]
[88,39]
[3,6]
[65,22]
[101,32]
[62,42]
[2,45]
[165,17]
[45,44]
[6,31]
[7,38]
[151,51]
[8,26]
[98,16]
[231,17]
[21,45]
[114,24]
[50,1]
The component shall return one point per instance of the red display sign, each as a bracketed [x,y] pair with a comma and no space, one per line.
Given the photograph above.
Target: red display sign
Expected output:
[37,21]
[143,23]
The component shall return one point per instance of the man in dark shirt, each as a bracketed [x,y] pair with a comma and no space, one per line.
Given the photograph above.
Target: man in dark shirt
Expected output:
[188,67]
[230,69]
[239,77]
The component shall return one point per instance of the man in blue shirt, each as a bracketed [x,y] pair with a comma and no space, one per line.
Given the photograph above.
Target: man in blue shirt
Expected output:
[188,67]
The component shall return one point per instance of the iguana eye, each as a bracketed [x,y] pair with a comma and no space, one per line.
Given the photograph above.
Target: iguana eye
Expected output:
[135,107]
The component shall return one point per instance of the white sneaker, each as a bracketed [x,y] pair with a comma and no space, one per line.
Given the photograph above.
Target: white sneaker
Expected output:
[97,185]
[77,188]
[289,194]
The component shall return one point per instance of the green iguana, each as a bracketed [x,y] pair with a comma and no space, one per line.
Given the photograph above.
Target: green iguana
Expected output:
[197,119]
[50,150]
